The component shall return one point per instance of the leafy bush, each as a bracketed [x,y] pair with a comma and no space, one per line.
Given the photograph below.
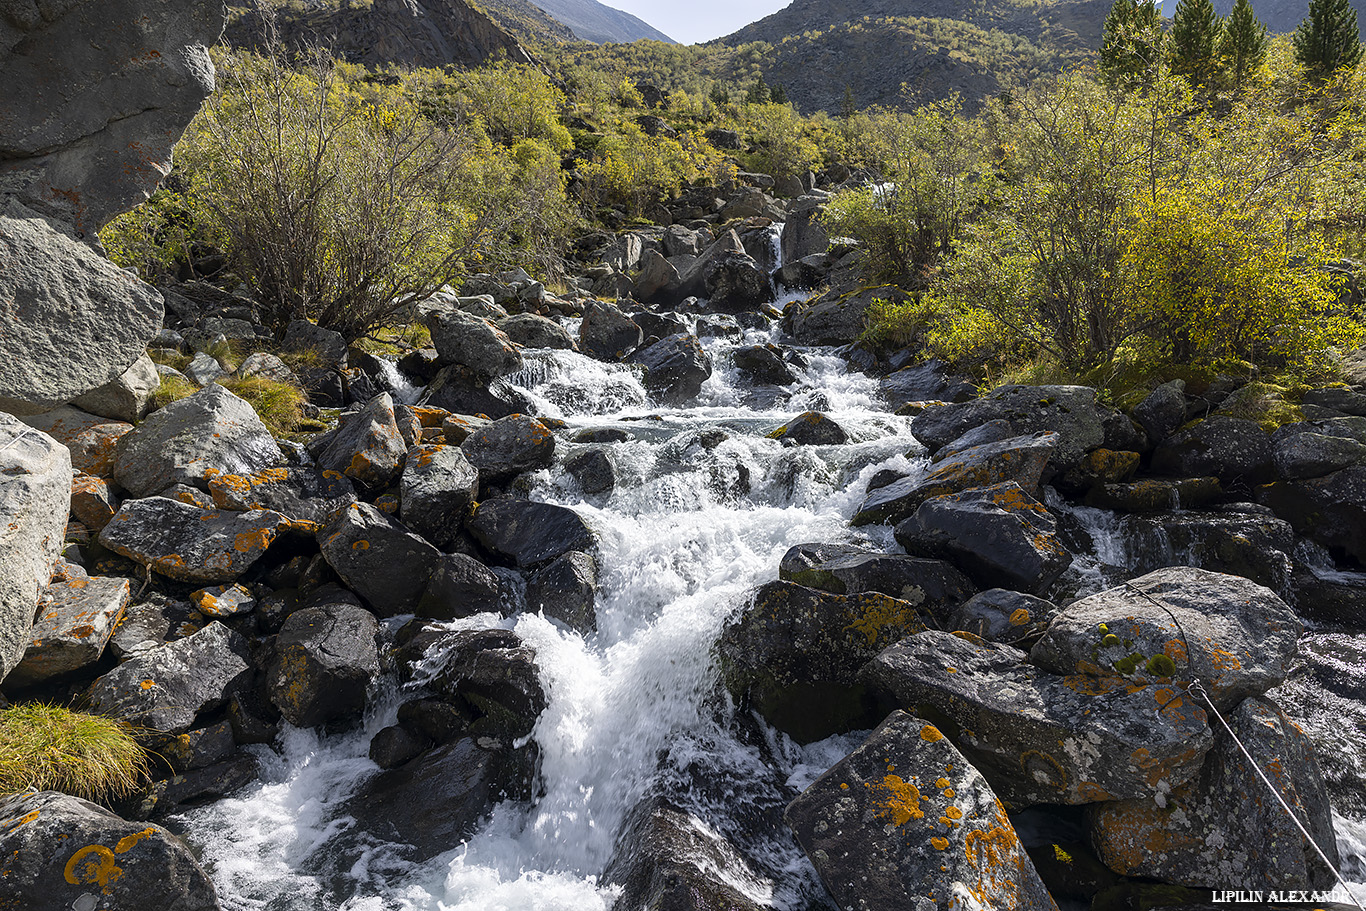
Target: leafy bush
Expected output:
[633,170]
[53,748]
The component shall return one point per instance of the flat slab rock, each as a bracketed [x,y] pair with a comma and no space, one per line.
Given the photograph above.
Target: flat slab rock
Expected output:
[59,853]
[75,621]
[1040,738]
[905,821]
[1235,636]
[190,544]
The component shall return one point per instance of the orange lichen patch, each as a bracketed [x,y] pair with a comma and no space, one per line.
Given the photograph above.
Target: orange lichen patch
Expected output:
[943,783]
[1225,660]
[1132,835]
[251,541]
[970,637]
[1090,792]
[897,799]
[953,813]
[30,816]
[147,684]
[1020,617]
[884,619]
[844,785]
[1094,685]
[360,545]
[93,865]
[950,793]
[951,670]
[930,734]
[1175,649]
[940,844]
[430,417]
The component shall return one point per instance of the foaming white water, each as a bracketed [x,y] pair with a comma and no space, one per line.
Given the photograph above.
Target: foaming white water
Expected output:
[399,386]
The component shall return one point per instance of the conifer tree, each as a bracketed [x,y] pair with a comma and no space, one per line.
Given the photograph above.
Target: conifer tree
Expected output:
[1327,39]
[1242,47]
[1132,43]
[1196,29]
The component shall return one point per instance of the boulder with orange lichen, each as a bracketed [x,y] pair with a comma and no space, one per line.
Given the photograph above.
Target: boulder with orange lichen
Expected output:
[378,558]
[1226,827]
[437,489]
[509,446]
[165,688]
[1020,459]
[1235,636]
[998,535]
[321,663]
[1041,738]
[303,493]
[92,501]
[191,440]
[75,621]
[91,439]
[59,853]
[932,586]
[795,653]
[905,821]
[366,446]
[190,544]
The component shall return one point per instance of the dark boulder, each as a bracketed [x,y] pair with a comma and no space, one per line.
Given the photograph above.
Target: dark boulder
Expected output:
[321,663]
[528,533]
[436,491]
[932,586]
[532,331]
[460,586]
[675,368]
[607,333]
[367,446]
[378,558]
[594,469]
[509,446]
[1155,494]
[190,544]
[457,390]
[1000,615]
[1162,411]
[765,364]
[464,339]
[490,675]
[811,428]
[927,382]
[1235,450]
[565,589]
[1307,454]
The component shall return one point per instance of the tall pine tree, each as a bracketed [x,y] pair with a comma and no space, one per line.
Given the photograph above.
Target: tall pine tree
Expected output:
[1327,39]
[1196,29]
[1131,45]
[1242,47]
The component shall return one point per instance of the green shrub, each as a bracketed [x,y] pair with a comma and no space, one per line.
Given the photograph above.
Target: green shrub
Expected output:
[52,748]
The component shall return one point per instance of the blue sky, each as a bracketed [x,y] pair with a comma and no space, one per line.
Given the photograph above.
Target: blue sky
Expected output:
[698,20]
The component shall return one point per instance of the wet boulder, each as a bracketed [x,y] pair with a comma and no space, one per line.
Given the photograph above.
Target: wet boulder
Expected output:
[465,339]
[129,397]
[91,440]
[532,331]
[303,494]
[75,620]
[527,533]
[1233,635]
[565,589]
[209,433]
[1231,449]
[732,280]
[594,469]
[1001,615]
[1155,494]
[509,446]
[665,858]
[165,688]
[811,428]
[366,446]
[905,821]
[658,280]
[1312,455]
[1248,544]
[35,497]
[999,536]
[378,558]
[675,368]
[1019,459]
[607,333]
[436,491]
[199,748]
[830,320]
[1330,510]
[764,364]
[932,586]
[59,853]
[1162,411]
[1097,467]
[1040,738]
[460,586]
[1224,828]
[321,663]
[1071,412]
[456,389]
[190,544]
[795,652]
[490,675]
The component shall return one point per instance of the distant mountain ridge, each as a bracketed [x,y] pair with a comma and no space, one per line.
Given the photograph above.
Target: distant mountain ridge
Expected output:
[601,24]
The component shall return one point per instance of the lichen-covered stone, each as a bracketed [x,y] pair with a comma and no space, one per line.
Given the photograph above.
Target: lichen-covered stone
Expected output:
[378,558]
[462,338]
[436,491]
[1233,635]
[1041,738]
[223,601]
[1155,494]
[1070,411]
[1001,615]
[93,503]
[91,439]
[905,821]
[190,544]
[367,446]
[932,586]
[509,446]
[75,621]
[795,653]
[811,428]
[321,663]
[304,494]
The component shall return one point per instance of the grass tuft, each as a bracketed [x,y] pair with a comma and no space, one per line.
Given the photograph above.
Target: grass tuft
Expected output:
[278,405]
[56,749]
[172,389]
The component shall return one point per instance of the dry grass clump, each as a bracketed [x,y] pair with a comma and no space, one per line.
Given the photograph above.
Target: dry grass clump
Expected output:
[56,749]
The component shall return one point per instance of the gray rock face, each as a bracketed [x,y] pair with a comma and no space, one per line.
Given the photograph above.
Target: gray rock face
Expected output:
[803,233]
[165,688]
[35,496]
[1040,738]
[831,320]
[532,331]
[127,398]
[509,446]
[61,852]
[1239,637]
[367,446]
[75,321]
[210,433]
[1070,411]
[794,655]
[528,533]
[1224,827]
[675,368]
[1247,544]
[1019,459]
[765,364]
[1001,615]
[1299,456]
[665,859]
[1163,410]
[999,536]
[461,586]
[594,469]
[321,663]
[565,589]
[109,91]
[378,558]
[75,620]
[437,489]
[90,439]
[461,338]
[658,281]
[492,678]
[1231,449]
[905,821]
[735,280]
[932,586]
[607,333]
[190,544]
[456,389]
[302,494]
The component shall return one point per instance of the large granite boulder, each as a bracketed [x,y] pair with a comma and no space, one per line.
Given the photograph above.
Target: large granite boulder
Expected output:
[675,368]
[1230,449]
[74,321]
[436,490]
[905,821]
[35,496]
[302,494]
[458,390]
[528,534]
[128,397]
[932,586]
[1041,738]
[509,446]
[533,331]
[1233,635]
[92,440]
[190,544]
[462,338]
[59,853]
[367,445]
[607,333]
[210,433]
[108,90]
